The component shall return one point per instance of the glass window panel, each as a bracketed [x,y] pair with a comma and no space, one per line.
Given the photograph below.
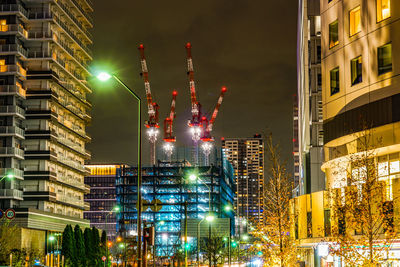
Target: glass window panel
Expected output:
[384,59]
[382,9]
[334,74]
[356,70]
[333,34]
[355,21]
[383,169]
[394,167]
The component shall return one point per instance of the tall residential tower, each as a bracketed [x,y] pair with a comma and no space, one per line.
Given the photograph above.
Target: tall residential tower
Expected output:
[44,59]
[247,158]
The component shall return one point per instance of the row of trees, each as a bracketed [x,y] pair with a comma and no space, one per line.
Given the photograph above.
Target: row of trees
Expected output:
[361,205]
[81,249]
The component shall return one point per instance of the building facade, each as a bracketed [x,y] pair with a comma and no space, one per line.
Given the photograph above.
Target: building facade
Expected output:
[360,97]
[102,197]
[170,184]
[247,158]
[44,58]
[309,137]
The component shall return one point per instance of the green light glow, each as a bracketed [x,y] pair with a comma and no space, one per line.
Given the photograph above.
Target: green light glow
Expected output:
[103,76]
[10,176]
[210,218]
[193,177]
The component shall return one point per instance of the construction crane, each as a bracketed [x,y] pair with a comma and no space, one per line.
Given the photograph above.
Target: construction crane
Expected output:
[152,123]
[195,124]
[206,138]
[169,139]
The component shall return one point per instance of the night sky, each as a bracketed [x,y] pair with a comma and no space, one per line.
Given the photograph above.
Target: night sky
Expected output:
[248,46]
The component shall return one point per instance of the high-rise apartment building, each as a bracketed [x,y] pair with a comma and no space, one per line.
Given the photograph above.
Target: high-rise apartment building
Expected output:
[360,92]
[44,59]
[309,137]
[247,158]
[102,197]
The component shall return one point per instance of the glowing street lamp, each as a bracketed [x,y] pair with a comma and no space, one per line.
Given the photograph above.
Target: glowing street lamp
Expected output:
[104,76]
[9,176]
[210,218]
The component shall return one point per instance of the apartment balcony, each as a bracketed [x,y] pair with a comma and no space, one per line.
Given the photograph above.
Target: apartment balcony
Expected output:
[39,195]
[39,55]
[78,7]
[41,94]
[13,69]
[12,131]
[11,194]
[11,9]
[40,154]
[74,20]
[10,49]
[73,146]
[69,181]
[18,174]
[12,111]
[41,114]
[12,90]
[71,201]
[40,16]
[70,52]
[13,29]
[73,164]
[11,152]
[35,35]
[77,40]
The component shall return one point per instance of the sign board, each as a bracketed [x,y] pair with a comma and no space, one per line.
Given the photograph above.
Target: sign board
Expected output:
[104,258]
[156,205]
[10,214]
[1,214]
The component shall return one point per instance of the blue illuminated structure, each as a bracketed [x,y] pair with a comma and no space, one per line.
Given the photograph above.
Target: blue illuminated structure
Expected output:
[169,182]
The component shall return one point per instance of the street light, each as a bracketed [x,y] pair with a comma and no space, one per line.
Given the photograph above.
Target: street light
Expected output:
[104,76]
[114,209]
[9,176]
[194,177]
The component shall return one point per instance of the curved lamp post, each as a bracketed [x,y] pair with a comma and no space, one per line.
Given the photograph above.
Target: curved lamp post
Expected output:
[103,76]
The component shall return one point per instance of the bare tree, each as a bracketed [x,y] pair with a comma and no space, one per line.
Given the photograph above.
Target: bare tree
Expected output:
[273,234]
[362,204]
[214,248]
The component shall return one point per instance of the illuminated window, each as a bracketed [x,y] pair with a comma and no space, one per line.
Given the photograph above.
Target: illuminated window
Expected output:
[334,80]
[382,10]
[333,34]
[3,67]
[3,25]
[384,59]
[355,21]
[356,70]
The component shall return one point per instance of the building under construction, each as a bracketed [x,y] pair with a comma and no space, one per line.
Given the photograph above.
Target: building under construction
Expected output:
[169,182]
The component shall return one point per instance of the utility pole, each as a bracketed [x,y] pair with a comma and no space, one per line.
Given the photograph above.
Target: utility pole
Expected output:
[185,246]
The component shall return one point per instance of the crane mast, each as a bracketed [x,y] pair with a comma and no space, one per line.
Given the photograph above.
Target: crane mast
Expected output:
[208,126]
[169,139]
[152,107]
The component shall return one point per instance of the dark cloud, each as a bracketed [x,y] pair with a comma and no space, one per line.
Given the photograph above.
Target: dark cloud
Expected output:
[247,45]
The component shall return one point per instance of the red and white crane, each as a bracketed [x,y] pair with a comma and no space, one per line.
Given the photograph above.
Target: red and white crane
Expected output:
[195,123]
[152,123]
[169,139]
[206,138]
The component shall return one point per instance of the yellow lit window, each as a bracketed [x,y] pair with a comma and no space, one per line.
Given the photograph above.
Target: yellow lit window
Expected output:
[3,67]
[355,21]
[333,34]
[382,9]
[3,25]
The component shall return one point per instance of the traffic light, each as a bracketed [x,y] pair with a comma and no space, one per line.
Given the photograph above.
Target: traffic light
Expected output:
[148,235]
[234,244]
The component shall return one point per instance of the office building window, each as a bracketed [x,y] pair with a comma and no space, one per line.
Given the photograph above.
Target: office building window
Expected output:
[333,34]
[384,59]
[382,10]
[356,70]
[318,54]
[335,81]
[309,224]
[355,21]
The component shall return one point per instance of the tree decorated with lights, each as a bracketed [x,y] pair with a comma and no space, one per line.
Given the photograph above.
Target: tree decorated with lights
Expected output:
[273,242]
[362,208]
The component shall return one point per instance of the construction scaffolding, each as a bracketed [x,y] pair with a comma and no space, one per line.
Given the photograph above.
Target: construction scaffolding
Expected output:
[169,183]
